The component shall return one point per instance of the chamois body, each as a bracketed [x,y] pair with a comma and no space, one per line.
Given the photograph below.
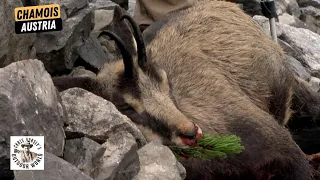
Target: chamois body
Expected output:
[226,74]
[211,65]
[218,45]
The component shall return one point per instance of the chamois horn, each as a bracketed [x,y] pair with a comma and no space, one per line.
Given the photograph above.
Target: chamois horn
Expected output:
[142,57]
[127,57]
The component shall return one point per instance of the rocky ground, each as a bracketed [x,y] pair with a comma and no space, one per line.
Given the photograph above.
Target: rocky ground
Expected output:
[86,137]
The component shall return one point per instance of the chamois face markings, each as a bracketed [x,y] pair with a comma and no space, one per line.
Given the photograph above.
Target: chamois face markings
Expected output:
[135,104]
[149,134]
[147,101]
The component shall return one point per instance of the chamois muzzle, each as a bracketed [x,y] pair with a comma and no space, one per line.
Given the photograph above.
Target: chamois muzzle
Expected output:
[190,133]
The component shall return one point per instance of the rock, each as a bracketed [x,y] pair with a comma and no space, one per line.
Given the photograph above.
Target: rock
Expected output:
[33,53]
[30,2]
[315,84]
[305,3]
[85,149]
[292,21]
[104,4]
[310,10]
[296,59]
[68,7]
[122,30]
[264,23]
[59,50]
[92,53]
[55,169]
[295,53]
[14,47]
[94,117]
[311,16]
[132,6]
[110,46]
[251,7]
[29,105]
[299,69]
[119,159]
[288,6]
[73,6]
[315,73]
[304,40]
[102,18]
[123,3]
[157,162]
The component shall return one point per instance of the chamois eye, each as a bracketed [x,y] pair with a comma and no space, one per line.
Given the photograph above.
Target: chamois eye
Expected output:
[127,109]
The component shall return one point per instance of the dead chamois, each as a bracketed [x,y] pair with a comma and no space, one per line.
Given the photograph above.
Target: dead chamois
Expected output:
[208,68]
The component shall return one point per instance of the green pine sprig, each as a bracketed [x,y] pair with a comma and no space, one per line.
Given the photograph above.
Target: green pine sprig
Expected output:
[211,147]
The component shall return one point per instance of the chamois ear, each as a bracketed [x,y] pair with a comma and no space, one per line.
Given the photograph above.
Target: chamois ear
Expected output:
[142,57]
[118,12]
[126,56]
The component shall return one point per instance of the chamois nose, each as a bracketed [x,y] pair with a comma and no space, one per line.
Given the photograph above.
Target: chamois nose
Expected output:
[190,135]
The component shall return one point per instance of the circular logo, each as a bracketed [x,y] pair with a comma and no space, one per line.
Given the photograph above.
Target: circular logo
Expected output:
[27,153]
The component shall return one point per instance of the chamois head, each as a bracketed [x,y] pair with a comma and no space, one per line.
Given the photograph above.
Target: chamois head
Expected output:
[142,91]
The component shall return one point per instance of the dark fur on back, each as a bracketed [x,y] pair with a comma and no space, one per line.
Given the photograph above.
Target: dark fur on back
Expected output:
[226,75]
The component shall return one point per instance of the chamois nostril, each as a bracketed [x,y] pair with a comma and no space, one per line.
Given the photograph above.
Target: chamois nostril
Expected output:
[190,138]
[190,135]
[188,131]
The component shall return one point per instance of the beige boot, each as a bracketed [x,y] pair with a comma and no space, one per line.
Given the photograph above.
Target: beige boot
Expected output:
[146,12]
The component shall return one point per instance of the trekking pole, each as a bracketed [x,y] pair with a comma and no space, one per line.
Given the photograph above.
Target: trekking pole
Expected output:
[269,10]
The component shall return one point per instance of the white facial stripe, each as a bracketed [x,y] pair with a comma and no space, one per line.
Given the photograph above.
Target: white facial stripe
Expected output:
[160,104]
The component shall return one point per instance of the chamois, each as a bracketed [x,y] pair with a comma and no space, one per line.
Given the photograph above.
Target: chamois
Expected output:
[209,68]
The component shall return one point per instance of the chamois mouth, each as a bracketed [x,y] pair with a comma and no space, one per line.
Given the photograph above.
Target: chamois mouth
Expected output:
[192,138]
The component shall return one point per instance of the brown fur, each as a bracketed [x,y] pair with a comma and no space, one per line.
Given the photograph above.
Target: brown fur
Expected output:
[212,65]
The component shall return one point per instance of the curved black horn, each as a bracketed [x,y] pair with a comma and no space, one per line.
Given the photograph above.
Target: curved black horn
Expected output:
[127,57]
[142,57]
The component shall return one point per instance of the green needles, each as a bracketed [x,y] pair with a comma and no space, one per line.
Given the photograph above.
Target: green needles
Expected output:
[211,147]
